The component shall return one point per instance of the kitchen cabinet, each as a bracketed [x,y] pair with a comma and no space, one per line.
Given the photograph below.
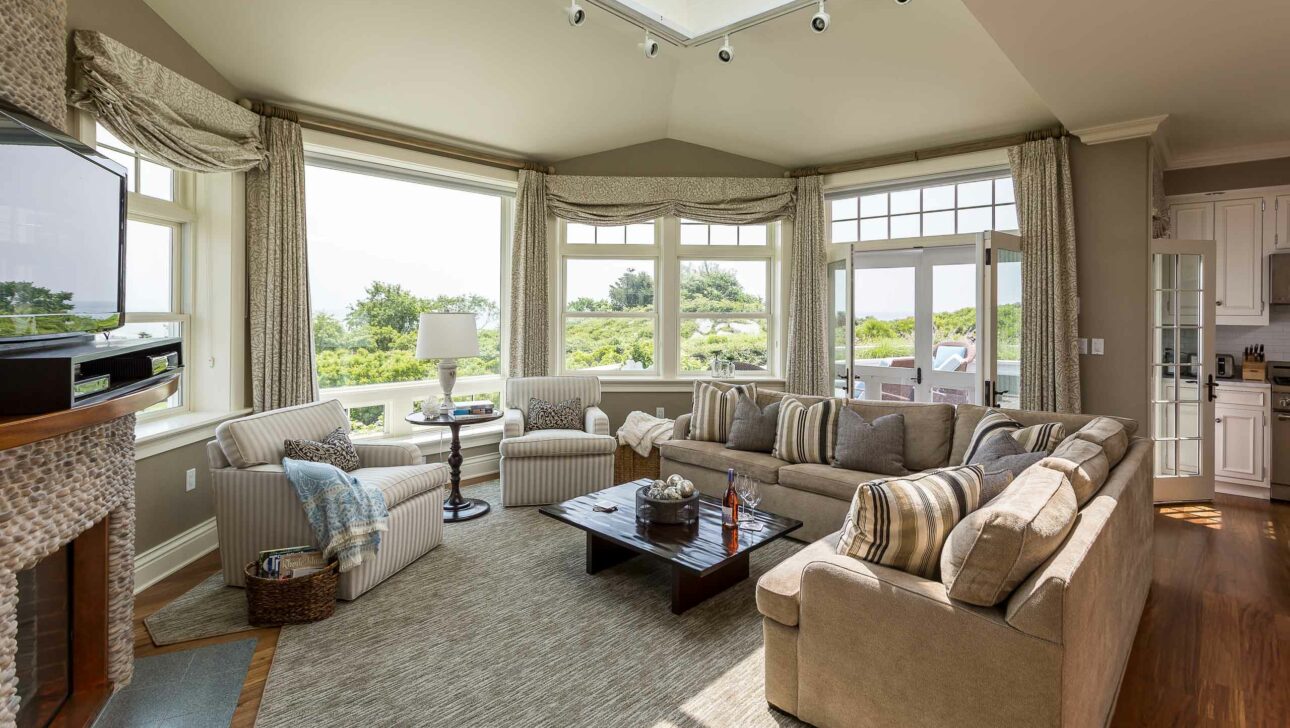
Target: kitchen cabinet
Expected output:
[1281,233]
[1242,416]
[1237,226]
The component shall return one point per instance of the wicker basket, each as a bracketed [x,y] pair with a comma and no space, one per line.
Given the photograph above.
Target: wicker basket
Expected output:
[629,465]
[275,602]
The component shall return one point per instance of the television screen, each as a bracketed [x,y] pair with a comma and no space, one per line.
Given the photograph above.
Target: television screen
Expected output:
[61,234]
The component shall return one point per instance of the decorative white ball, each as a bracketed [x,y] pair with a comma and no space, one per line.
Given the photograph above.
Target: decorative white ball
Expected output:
[687,489]
[675,479]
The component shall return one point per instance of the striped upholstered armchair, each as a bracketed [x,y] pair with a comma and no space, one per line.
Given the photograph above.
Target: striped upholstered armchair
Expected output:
[548,466]
[256,508]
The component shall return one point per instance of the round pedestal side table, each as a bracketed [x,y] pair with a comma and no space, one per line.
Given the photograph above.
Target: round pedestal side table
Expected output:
[456,507]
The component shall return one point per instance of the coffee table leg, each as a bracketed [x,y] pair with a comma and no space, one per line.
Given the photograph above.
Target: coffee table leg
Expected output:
[602,554]
[689,589]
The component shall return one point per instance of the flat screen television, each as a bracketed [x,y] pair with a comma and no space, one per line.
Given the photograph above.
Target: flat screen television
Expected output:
[62,234]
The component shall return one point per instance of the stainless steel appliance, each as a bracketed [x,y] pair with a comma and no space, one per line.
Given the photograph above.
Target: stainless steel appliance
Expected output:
[1226,367]
[1279,375]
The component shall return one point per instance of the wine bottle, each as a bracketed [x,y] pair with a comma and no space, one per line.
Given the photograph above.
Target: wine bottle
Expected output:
[730,503]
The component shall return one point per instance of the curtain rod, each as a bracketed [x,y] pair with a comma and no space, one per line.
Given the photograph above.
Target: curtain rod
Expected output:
[947,150]
[394,139]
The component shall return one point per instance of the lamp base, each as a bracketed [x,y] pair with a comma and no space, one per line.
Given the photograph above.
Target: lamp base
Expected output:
[447,378]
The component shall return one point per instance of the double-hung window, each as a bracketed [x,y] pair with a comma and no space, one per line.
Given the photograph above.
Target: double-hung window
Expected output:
[663,300]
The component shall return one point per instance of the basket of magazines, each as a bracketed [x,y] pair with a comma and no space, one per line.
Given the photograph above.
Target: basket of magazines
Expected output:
[290,586]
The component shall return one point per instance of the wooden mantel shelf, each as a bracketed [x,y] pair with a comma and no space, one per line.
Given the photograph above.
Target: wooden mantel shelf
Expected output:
[25,429]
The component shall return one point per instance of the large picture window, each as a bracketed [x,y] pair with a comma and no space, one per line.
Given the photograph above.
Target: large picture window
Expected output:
[385,245]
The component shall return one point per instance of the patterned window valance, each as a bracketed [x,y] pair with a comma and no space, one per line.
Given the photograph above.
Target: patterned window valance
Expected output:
[159,112]
[626,200]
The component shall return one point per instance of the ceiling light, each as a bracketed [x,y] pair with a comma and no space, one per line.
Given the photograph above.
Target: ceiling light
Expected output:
[726,53]
[650,46]
[903,2]
[820,21]
[577,16]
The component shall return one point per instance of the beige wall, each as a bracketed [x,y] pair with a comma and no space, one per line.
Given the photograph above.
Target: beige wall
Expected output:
[668,158]
[164,508]
[1111,224]
[1263,173]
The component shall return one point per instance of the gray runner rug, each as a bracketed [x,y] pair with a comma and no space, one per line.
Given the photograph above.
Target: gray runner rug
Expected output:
[207,610]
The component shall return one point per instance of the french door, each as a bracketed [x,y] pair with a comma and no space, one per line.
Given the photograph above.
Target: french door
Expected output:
[1001,324]
[1181,376]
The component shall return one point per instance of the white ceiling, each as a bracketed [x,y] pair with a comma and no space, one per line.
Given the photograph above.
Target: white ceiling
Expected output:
[1220,70]
[513,76]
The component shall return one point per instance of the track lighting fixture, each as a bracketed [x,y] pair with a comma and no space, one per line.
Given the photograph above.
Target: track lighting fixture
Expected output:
[650,46]
[820,21]
[726,53]
[577,16]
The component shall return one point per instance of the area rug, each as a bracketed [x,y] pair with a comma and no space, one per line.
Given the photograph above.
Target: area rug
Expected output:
[207,610]
[502,626]
[198,687]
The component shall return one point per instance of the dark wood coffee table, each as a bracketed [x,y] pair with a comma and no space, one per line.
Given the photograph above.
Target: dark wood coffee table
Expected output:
[705,558]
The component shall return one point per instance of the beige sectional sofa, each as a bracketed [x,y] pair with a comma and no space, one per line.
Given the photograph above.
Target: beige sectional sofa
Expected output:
[851,643]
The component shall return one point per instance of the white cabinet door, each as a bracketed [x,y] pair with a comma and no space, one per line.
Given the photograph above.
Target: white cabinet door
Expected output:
[1282,207]
[1192,221]
[1238,443]
[1238,230]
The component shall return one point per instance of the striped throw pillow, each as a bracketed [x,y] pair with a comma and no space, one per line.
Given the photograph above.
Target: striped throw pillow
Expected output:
[992,423]
[713,411]
[806,434]
[903,522]
[1041,438]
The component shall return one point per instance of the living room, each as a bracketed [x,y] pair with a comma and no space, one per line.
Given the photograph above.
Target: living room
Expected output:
[643,362]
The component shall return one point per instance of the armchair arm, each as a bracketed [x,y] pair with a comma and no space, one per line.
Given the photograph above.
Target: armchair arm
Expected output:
[388,453]
[512,423]
[681,428]
[597,422]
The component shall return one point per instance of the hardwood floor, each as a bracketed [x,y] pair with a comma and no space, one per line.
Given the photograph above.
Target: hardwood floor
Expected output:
[1213,647]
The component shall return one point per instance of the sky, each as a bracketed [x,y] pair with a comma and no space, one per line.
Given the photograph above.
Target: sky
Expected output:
[430,240]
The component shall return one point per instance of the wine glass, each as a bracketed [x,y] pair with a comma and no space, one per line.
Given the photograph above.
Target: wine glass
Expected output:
[750,495]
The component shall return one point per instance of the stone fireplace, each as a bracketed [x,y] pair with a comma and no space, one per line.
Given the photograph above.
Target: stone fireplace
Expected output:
[72,488]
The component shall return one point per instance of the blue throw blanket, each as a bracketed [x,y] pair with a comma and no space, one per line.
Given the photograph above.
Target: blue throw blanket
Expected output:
[347,516]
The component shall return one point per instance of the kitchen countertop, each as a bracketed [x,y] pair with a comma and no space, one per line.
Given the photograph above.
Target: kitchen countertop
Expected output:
[1242,383]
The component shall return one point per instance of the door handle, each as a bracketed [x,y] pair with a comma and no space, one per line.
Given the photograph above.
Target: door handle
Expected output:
[918,375]
[1218,420]
[1210,386]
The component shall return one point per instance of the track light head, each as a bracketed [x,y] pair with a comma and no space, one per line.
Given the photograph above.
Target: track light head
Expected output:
[577,16]
[726,53]
[820,21]
[650,47]
[903,2]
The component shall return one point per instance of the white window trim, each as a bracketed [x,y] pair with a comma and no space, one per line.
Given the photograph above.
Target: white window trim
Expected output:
[668,254]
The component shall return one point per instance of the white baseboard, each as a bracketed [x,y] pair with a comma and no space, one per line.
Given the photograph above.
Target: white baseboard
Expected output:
[1262,492]
[481,465]
[166,558]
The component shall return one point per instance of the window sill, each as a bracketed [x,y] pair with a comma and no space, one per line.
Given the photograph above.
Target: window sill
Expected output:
[161,434]
[682,384]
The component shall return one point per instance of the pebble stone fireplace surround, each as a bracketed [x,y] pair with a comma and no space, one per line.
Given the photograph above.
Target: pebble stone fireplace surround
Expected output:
[52,491]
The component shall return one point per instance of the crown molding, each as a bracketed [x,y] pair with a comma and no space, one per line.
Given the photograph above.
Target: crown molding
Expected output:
[1121,130]
[1234,155]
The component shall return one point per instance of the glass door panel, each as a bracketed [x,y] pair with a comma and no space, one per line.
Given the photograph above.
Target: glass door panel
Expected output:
[839,331]
[949,358]
[1003,286]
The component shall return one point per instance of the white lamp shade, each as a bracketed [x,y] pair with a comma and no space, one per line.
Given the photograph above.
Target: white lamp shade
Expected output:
[447,336]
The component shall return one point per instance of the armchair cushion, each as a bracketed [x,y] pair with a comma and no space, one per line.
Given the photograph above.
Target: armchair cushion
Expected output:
[557,443]
[778,589]
[397,484]
[258,439]
[564,415]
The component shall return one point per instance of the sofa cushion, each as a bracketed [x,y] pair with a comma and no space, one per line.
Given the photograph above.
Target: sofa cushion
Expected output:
[929,429]
[712,411]
[991,551]
[1107,433]
[902,522]
[806,434]
[715,456]
[404,482]
[826,480]
[754,427]
[966,417]
[778,589]
[1083,463]
[257,439]
[1043,437]
[877,446]
[557,443]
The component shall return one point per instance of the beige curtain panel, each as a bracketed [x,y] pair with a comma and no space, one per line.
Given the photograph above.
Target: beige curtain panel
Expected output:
[628,200]
[158,111]
[529,333]
[1041,172]
[282,368]
[810,362]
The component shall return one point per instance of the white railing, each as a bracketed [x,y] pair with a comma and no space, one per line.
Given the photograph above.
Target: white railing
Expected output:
[398,399]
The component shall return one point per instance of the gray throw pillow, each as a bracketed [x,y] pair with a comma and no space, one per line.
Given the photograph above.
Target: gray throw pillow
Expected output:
[1003,458]
[754,428]
[873,447]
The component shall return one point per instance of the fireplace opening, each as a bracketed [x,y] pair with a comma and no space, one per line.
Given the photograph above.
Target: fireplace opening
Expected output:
[44,639]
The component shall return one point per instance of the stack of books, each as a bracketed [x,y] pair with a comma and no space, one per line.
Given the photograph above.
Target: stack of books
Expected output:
[480,407]
[290,563]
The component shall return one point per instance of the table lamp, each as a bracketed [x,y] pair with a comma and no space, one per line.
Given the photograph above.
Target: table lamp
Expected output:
[446,337]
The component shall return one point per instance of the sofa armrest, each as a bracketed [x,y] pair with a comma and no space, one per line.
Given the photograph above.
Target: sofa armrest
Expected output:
[512,423]
[597,422]
[681,428]
[388,453]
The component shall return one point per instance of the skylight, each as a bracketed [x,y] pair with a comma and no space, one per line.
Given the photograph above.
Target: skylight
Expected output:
[690,22]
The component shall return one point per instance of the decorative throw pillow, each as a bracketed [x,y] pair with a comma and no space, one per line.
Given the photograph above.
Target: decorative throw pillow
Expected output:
[544,415]
[806,434]
[754,428]
[874,447]
[713,411]
[1005,453]
[1083,463]
[1042,437]
[334,449]
[992,423]
[902,522]
[991,551]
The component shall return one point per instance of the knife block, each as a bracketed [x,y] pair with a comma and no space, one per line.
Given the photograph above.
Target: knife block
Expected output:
[1254,371]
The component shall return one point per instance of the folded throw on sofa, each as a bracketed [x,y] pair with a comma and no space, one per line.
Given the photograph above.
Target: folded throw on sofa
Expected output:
[347,517]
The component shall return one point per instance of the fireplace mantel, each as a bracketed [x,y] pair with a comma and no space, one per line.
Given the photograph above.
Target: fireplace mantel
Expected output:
[64,474]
